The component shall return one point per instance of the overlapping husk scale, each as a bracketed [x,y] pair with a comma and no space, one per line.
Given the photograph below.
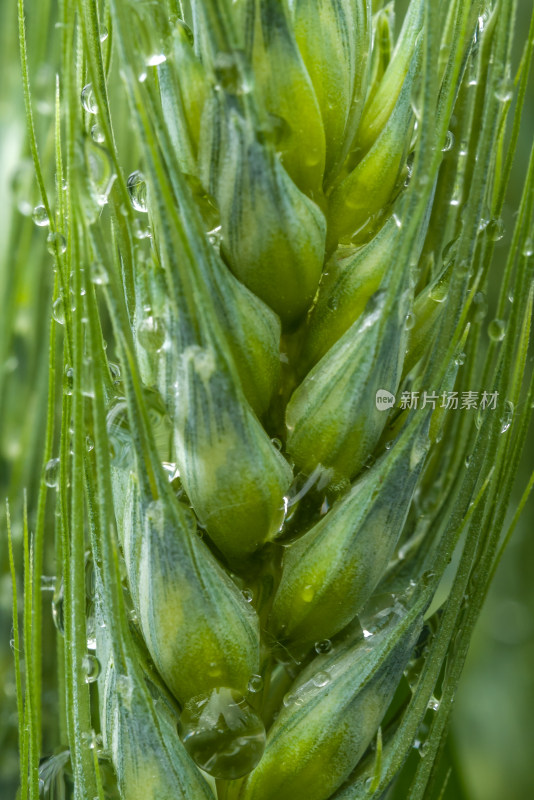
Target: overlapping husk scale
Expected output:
[270,316]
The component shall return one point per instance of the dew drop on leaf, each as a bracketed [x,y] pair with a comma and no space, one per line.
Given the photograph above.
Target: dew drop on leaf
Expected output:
[497,330]
[151,333]
[255,684]
[90,667]
[409,322]
[97,134]
[222,733]
[40,216]
[449,142]
[321,679]
[51,474]
[88,99]
[137,190]
[56,242]
[495,230]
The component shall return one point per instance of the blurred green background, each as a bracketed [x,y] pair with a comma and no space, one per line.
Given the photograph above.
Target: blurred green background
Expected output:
[492,732]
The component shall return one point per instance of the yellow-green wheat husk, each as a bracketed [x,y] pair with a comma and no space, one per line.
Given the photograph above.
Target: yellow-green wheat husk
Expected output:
[273,225]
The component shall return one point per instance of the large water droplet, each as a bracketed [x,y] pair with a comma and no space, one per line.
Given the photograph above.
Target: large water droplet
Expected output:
[321,679]
[97,134]
[51,475]
[222,733]
[88,99]
[323,646]
[99,274]
[40,216]
[151,333]
[255,684]
[505,90]
[528,248]
[449,142]
[480,306]
[497,330]
[137,190]
[409,322]
[56,242]
[90,667]
[495,230]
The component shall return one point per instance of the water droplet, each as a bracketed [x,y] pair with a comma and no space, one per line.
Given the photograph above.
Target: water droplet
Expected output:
[289,699]
[58,610]
[103,33]
[90,667]
[68,382]
[468,461]
[450,249]
[308,593]
[323,646]
[97,134]
[255,683]
[460,359]
[89,444]
[156,59]
[480,305]
[88,99]
[495,230]
[48,583]
[440,291]
[114,371]
[248,595]
[409,322]
[56,242]
[99,274]
[397,220]
[137,190]
[215,237]
[321,679]
[228,73]
[332,303]
[40,216]
[528,248]
[151,333]
[51,474]
[222,733]
[141,231]
[433,704]
[505,90]
[506,419]
[497,330]
[449,142]
[418,451]
[276,443]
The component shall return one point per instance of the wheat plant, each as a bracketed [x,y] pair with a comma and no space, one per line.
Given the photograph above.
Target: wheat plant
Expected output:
[288,390]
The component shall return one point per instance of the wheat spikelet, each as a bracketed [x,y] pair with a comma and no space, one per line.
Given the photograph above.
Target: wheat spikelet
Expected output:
[286,260]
